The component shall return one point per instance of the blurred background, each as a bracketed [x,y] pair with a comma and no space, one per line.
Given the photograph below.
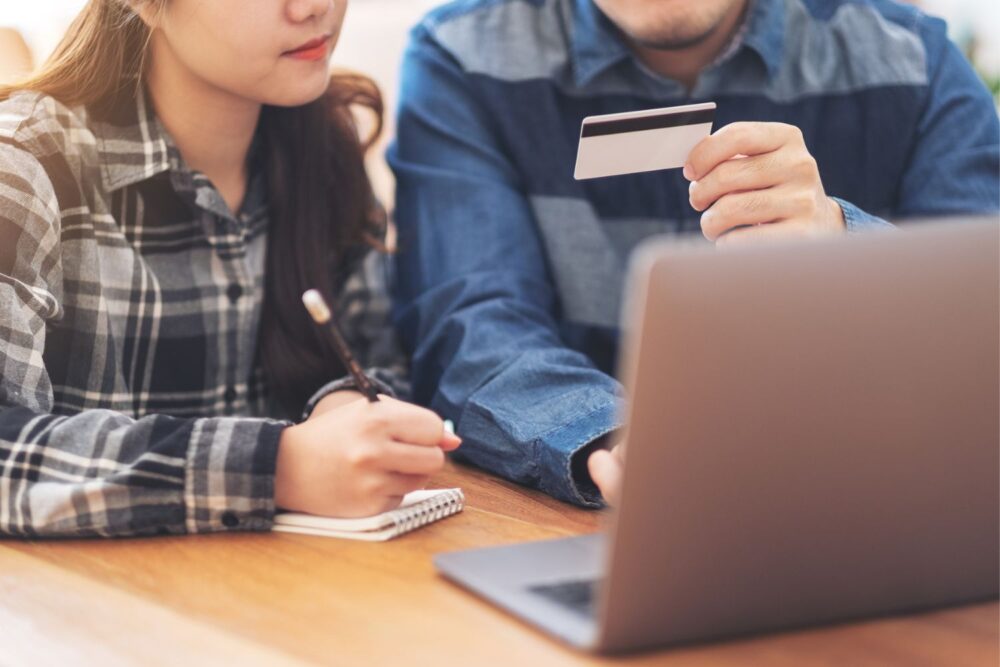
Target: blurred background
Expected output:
[375,35]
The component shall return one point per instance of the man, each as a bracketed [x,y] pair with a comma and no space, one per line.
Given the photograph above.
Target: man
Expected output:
[834,116]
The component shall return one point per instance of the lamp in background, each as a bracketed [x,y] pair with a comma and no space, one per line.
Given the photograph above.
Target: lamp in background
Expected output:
[15,57]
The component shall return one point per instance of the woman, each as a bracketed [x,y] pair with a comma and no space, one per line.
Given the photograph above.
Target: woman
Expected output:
[170,183]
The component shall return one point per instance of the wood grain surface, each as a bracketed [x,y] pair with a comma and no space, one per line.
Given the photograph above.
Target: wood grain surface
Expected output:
[283,599]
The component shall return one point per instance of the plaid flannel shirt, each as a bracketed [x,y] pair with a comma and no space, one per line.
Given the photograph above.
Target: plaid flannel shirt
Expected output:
[132,400]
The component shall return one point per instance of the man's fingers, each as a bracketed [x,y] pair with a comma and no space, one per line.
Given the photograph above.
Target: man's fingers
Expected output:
[790,229]
[737,139]
[606,471]
[737,175]
[743,209]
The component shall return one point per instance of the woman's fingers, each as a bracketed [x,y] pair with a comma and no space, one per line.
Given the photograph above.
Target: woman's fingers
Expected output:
[398,485]
[408,423]
[402,457]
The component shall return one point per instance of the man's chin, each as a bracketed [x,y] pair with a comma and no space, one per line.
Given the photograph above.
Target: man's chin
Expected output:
[674,41]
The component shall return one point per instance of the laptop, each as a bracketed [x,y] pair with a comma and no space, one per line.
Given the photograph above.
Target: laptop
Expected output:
[812,437]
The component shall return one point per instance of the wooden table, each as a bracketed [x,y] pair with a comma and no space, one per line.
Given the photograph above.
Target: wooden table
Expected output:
[280,599]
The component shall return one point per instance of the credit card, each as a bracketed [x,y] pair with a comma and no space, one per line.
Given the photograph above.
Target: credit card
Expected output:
[638,141]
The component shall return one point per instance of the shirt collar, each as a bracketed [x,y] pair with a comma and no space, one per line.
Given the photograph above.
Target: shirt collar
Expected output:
[765,32]
[132,144]
[597,44]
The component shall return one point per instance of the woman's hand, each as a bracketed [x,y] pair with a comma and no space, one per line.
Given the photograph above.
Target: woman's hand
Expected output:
[335,400]
[359,458]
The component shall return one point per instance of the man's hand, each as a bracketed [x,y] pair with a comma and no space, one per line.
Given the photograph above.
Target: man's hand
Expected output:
[757,181]
[606,468]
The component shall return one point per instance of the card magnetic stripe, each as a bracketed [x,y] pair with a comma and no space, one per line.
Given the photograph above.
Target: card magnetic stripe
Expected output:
[606,127]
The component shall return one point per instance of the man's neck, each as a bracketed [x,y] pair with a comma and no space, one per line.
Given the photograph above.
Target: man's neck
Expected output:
[213,129]
[686,64]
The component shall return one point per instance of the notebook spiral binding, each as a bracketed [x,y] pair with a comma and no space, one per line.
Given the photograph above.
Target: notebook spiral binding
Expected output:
[429,511]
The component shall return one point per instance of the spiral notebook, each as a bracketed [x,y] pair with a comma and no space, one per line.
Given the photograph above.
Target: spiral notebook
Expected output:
[418,509]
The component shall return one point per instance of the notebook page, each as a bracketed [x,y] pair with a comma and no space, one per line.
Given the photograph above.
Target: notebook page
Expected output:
[326,525]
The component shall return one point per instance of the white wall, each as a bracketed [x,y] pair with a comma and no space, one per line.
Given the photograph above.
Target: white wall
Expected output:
[372,42]
[375,34]
[972,17]
[42,22]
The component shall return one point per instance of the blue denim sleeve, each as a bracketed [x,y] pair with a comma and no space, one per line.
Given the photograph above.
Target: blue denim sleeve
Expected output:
[954,167]
[474,302]
[858,220]
[955,164]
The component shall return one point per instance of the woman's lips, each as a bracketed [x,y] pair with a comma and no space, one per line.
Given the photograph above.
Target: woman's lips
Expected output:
[312,50]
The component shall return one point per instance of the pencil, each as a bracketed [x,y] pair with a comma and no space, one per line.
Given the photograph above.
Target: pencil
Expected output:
[321,315]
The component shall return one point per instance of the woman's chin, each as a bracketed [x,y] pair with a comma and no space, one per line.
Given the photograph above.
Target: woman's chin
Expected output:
[301,92]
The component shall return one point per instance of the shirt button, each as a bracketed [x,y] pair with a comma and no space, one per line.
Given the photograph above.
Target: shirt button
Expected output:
[230,394]
[230,520]
[234,293]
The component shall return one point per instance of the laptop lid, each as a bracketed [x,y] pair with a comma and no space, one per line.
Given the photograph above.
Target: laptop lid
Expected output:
[813,434]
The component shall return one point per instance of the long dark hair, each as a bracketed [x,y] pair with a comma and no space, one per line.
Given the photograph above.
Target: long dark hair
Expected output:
[324,216]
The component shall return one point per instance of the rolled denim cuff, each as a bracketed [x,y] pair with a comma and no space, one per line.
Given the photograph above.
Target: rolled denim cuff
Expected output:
[558,450]
[857,220]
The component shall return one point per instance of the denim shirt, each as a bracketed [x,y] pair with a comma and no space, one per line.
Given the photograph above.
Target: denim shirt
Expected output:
[510,274]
